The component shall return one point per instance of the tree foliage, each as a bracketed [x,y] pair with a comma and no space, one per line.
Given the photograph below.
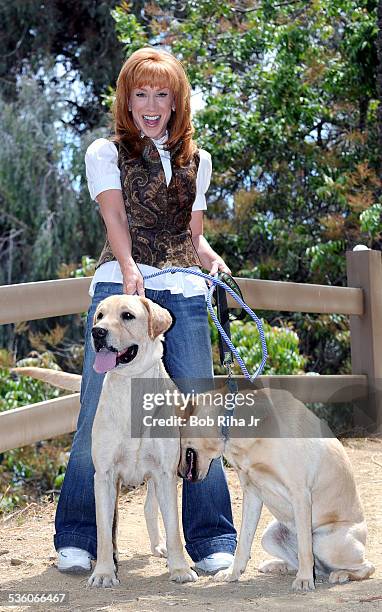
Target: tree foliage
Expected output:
[76,37]
[290,118]
[45,216]
[291,122]
[47,220]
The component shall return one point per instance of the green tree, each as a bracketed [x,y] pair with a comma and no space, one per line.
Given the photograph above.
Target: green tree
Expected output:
[290,119]
[76,38]
[45,215]
[47,219]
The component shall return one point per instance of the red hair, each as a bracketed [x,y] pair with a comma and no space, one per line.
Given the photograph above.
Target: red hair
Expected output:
[156,68]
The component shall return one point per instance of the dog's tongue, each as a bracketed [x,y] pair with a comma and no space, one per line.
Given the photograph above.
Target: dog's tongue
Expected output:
[104,361]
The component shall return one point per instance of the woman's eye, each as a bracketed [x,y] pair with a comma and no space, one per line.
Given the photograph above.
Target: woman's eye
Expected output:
[141,94]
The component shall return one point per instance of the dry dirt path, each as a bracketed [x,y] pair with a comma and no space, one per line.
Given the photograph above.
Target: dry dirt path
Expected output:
[144,581]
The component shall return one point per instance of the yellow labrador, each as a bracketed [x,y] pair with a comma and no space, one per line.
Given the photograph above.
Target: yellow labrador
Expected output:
[303,476]
[127,337]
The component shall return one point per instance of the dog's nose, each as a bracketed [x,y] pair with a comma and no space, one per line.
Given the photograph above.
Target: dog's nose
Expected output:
[99,333]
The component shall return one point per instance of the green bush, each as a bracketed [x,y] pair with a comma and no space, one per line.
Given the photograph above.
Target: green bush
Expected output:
[20,391]
[282,345]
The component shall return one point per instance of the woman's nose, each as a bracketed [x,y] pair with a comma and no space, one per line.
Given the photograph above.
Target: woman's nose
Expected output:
[151,102]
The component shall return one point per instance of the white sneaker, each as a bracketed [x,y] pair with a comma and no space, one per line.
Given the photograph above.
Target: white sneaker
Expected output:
[215,562]
[74,560]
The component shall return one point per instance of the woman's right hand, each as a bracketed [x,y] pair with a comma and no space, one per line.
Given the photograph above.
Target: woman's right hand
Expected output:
[132,280]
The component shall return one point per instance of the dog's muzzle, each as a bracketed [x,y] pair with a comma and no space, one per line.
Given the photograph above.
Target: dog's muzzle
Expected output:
[108,357]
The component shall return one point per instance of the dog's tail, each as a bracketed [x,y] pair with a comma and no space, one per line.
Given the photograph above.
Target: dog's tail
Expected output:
[63,380]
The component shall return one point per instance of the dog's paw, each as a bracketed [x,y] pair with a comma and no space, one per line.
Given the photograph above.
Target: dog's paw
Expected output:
[340,576]
[275,566]
[185,574]
[302,585]
[227,575]
[159,550]
[103,579]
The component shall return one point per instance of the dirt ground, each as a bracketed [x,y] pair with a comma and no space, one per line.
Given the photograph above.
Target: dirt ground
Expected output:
[27,561]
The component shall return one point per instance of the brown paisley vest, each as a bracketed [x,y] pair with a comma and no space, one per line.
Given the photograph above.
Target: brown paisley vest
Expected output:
[158,216]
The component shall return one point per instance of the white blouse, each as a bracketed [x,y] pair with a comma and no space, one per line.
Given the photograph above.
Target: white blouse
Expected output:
[102,173]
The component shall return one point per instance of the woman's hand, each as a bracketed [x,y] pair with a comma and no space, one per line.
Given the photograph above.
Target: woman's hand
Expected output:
[132,279]
[218,265]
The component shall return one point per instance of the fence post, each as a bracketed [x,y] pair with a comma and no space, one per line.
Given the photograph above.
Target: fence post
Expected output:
[364,270]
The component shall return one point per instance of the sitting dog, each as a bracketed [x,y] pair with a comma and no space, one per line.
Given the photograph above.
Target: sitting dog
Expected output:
[303,476]
[127,338]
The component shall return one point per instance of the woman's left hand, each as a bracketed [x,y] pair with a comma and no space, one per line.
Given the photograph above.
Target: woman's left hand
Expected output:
[218,265]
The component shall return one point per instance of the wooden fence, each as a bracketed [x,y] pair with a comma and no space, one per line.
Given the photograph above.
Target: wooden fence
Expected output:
[362,300]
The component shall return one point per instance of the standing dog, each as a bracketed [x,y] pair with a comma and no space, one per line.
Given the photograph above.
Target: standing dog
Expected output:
[127,338]
[304,479]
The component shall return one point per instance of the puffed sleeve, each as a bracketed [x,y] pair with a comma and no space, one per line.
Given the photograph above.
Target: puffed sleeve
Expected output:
[102,172]
[202,180]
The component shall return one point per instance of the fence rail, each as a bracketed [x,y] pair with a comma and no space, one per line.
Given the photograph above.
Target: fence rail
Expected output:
[40,300]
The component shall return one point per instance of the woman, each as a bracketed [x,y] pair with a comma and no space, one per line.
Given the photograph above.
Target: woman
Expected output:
[150,184]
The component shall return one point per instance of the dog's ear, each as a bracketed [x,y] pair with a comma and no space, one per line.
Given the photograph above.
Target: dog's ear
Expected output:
[160,319]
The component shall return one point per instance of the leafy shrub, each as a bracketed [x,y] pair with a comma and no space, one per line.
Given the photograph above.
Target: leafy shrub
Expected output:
[282,345]
[16,391]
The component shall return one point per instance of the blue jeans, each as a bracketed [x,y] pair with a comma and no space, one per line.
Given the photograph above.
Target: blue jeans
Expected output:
[206,508]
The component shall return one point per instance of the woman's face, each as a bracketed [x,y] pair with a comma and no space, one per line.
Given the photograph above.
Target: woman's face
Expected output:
[151,109]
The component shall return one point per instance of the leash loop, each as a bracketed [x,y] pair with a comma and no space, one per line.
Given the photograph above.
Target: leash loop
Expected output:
[218,282]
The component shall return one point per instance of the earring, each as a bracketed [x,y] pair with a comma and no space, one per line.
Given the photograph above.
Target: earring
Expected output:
[173,109]
[130,108]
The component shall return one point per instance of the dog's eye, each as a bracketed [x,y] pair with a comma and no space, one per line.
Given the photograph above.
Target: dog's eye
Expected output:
[99,316]
[126,316]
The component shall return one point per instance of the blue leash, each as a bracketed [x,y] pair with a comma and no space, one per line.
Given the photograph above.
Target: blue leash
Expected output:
[217,281]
